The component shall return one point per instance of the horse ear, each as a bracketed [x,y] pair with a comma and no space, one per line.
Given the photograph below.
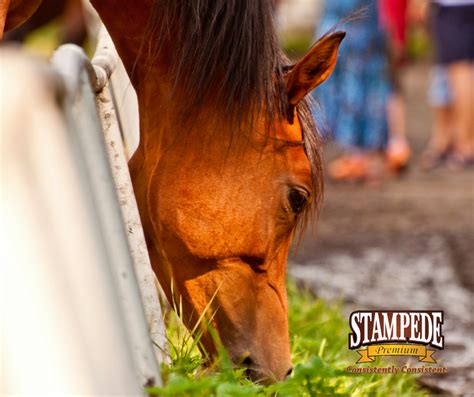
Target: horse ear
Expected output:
[314,68]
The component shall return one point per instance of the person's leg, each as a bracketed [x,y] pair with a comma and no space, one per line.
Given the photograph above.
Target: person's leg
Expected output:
[440,99]
[396,115]
[441,139]
[398,150]
[461,80]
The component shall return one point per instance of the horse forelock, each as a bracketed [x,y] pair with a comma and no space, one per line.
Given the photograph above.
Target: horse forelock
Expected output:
[223,51]
[226,54]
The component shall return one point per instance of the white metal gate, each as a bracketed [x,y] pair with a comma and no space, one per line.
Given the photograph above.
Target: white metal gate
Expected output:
[79,307]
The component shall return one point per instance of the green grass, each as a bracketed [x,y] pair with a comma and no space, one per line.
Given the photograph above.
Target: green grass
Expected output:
[318,332]
[44,41]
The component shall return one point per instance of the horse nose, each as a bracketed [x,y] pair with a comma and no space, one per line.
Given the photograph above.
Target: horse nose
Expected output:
[251,370]
[255,373]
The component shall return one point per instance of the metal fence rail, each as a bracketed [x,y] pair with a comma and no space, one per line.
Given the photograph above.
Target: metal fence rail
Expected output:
[79,305]
[118,112]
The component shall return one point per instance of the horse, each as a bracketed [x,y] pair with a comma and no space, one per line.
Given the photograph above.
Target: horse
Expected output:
[69,13]
[228,165]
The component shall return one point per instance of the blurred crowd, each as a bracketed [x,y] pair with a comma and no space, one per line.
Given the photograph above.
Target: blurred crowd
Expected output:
[362,106]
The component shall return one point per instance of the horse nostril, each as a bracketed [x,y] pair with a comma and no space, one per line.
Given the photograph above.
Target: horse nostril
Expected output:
[289,372]
[247,362]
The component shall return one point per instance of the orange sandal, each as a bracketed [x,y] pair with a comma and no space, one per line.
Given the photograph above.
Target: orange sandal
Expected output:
[398,154]
[348,168]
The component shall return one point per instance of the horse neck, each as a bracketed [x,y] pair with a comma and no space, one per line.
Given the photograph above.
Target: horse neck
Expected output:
[126,24]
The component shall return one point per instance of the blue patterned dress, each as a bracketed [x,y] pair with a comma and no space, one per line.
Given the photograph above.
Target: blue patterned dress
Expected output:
[352,102]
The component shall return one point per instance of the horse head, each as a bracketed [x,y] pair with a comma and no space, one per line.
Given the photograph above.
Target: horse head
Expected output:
[228,164]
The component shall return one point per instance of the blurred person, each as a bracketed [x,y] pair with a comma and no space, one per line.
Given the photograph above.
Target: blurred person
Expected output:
[352,104]
[453,33]
[393,20]
[440,100]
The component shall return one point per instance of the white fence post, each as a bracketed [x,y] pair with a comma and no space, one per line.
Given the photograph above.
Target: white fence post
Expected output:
[79,303]
[80,76]
[63,329]
[101,61]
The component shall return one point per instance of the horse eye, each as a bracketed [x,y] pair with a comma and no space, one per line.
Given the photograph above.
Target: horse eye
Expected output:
[298,199]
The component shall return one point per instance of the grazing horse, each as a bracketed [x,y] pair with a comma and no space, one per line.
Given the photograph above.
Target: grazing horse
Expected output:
[228,163]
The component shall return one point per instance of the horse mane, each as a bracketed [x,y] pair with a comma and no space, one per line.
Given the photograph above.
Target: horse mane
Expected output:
[225,51]
[226,54]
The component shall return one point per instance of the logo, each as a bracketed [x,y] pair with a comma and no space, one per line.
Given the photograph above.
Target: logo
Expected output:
[396,333]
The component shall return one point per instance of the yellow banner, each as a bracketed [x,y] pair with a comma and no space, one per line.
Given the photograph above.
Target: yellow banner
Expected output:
[368,355]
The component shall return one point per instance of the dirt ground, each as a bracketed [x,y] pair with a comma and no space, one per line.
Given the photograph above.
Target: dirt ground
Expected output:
[405,243]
